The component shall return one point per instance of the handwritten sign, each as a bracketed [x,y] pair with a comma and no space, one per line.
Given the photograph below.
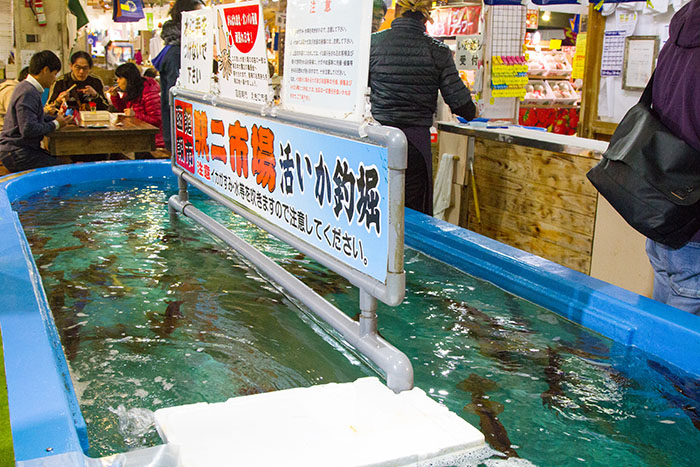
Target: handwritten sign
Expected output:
[469,52]
[331,192]
[196,54]
[240,52]
[326,59]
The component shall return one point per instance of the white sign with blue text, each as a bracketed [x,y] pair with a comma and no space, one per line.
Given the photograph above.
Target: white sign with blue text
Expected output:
[329,191]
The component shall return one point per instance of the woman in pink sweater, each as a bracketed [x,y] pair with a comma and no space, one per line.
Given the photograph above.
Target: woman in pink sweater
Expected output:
[138,96]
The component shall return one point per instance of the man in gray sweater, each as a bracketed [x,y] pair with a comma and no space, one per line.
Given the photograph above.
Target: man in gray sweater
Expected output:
[25,122]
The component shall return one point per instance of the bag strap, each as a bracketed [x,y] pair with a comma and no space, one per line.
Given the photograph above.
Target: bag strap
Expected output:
[646,95]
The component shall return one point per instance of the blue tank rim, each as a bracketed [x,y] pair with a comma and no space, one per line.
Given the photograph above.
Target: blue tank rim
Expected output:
[44,412]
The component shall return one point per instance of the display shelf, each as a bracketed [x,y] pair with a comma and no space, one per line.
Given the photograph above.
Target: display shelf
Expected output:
[551,78]
[550,106]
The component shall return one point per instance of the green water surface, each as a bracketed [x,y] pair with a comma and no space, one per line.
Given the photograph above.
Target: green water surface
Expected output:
[153,315]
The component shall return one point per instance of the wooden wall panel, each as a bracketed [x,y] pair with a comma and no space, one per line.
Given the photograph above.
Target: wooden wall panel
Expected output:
[544,195]
[539,201]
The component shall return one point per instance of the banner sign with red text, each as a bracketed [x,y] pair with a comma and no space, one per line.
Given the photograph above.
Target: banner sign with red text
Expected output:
[454,21]
[329,191]
[326,57]
[240,52]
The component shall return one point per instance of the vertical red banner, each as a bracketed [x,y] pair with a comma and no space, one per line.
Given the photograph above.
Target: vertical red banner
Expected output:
[184,137]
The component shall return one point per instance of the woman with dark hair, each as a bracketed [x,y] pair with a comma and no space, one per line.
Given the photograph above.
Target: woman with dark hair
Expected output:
[168,60]
[78,87]
[137,96]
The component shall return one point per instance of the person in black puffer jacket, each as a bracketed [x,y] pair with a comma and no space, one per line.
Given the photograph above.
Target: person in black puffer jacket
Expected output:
[168,60]
[406,69]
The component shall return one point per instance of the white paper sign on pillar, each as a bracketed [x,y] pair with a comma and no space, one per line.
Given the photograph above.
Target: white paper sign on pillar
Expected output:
[241,55]
[326,57]
[196,51]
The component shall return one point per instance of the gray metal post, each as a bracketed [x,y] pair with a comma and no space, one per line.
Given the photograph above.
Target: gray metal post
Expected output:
[183,195]
[394,363]
[368,314]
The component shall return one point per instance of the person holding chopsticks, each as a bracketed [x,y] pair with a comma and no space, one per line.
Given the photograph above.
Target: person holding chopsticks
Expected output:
[78,88]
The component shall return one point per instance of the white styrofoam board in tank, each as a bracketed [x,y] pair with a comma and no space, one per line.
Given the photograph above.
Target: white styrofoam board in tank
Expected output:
[351,424]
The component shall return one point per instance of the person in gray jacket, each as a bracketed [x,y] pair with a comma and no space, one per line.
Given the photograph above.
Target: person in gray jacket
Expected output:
[406,69]
[7,87]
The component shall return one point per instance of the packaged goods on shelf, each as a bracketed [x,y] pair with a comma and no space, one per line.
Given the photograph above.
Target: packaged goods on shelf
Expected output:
[551,63]
[557,64]
[538,92]
[564,93]
[536,65]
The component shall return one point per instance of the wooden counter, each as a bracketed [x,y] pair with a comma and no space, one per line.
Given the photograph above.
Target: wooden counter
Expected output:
[533,194]
[127,134]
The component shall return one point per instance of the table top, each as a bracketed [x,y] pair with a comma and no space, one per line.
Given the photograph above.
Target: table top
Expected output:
[125,135]
[517,135]
[124,126]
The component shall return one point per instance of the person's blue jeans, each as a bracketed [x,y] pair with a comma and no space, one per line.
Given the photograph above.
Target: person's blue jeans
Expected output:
[27,158]
[676,275]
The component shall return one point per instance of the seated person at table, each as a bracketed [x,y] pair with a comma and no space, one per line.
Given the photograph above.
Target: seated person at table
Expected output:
[151,73]
[26,123]
[138,97]
[7,87]
[78,87]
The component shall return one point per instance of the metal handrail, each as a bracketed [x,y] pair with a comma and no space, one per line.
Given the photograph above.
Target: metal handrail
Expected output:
[361,335]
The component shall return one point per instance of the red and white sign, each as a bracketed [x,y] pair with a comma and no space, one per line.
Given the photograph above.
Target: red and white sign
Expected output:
[243,24]
[454,21]
[240,52]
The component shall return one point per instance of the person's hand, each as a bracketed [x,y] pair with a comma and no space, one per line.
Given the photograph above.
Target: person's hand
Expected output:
[64,120]
[51,108]
[61,98]
[113,90]
[129,112]
[88,90]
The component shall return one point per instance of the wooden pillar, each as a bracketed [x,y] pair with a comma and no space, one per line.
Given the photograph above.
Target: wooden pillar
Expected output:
[591,77]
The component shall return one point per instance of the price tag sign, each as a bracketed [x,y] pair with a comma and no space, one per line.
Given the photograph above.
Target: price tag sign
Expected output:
[554,44]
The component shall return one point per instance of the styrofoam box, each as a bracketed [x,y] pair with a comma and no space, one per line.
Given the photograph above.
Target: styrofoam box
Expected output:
[362,423]
[99,116]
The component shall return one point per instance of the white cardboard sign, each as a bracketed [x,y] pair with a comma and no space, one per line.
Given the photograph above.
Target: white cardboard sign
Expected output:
[326,57]
[196,54]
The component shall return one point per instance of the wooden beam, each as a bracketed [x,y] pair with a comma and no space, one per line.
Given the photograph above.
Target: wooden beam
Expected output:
[591,77]
[603,128]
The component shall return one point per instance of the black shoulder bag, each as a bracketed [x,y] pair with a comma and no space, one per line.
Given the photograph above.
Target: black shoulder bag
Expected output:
[651,177]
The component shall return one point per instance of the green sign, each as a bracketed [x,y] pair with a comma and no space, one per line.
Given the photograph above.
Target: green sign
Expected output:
[149,21]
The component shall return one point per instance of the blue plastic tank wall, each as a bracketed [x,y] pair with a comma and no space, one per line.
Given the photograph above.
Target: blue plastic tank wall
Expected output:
[44,411]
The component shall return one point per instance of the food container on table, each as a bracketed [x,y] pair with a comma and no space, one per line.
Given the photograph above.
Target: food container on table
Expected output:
[98,117]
